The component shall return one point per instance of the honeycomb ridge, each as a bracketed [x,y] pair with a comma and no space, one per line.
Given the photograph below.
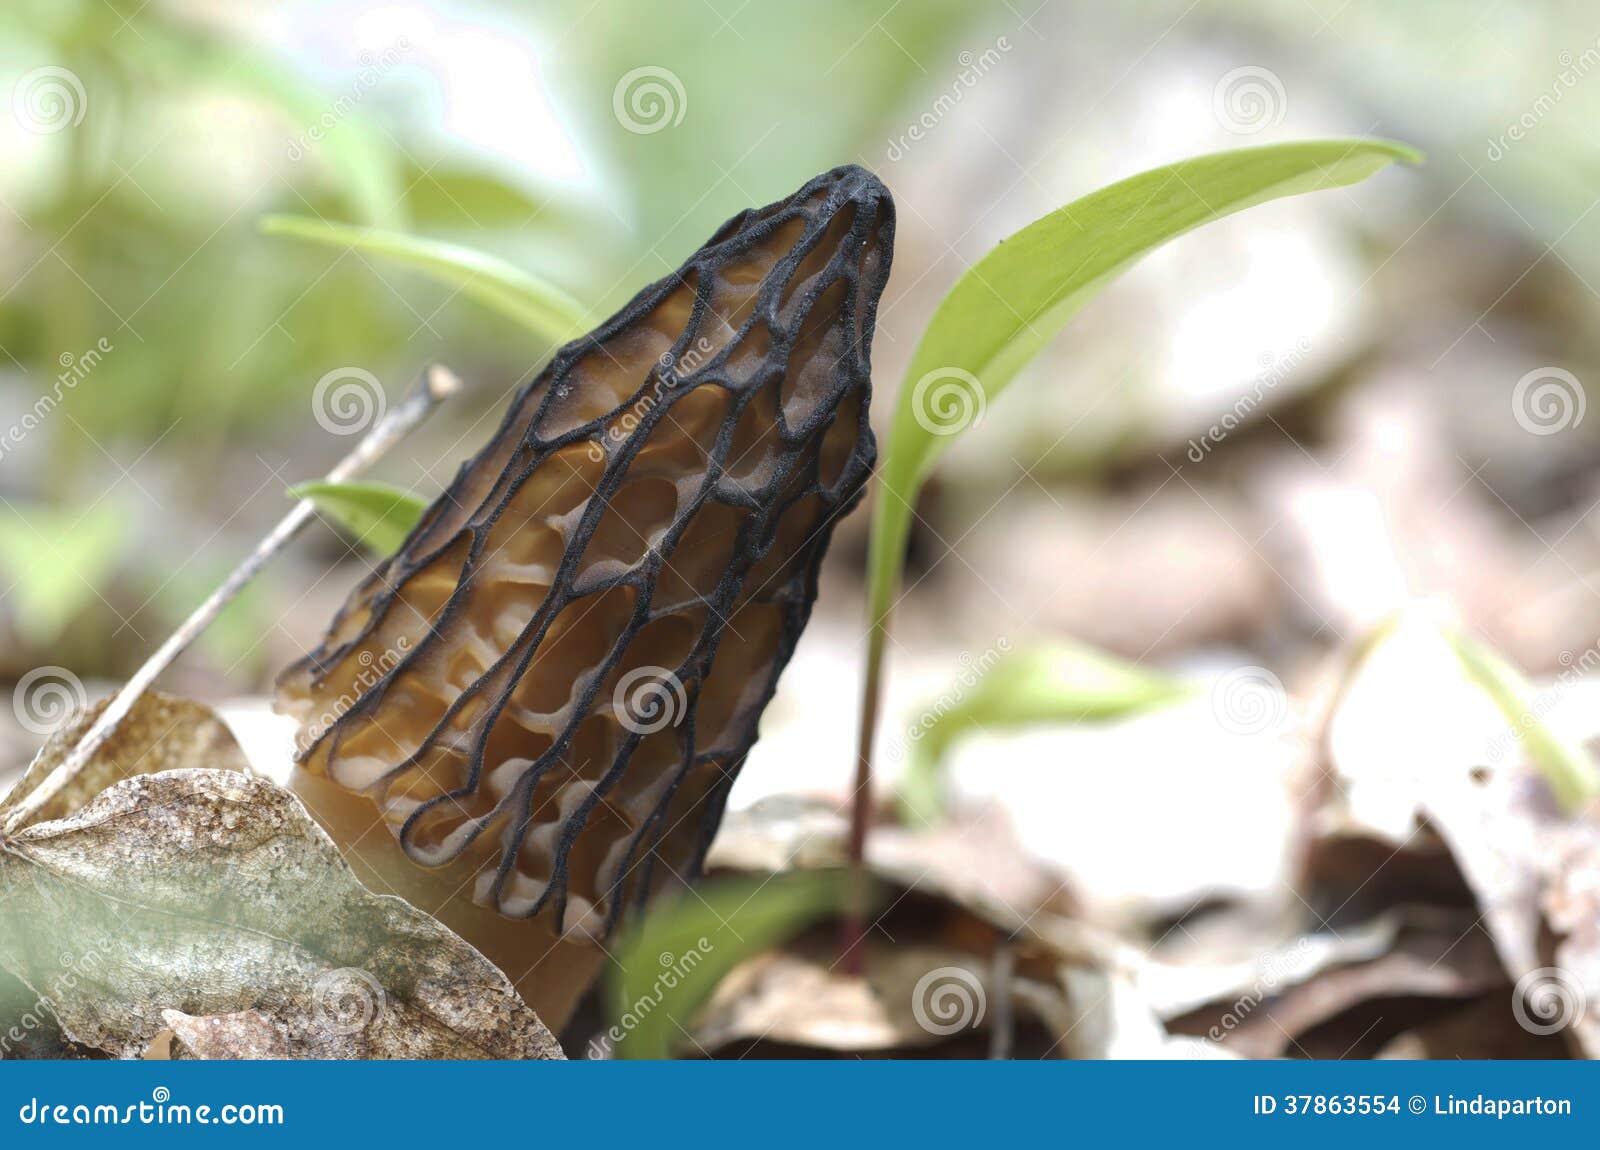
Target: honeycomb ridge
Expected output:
[561,671]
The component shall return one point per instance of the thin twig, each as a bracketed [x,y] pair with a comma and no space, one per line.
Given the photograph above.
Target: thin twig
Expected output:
[437,384]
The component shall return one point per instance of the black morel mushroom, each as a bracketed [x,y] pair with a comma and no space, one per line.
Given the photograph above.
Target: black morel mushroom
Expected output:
[553,684]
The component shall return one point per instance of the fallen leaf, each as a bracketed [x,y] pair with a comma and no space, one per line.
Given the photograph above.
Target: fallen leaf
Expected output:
[246,1035]
[1532,868]
[1447,957]
[160,733]
[210,893]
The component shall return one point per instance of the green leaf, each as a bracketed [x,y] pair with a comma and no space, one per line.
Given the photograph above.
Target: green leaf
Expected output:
[673,963]
[1566,767]
[364,162]
[378,515]
[1009,304]
[1052,683]
[542,308]
[56,563]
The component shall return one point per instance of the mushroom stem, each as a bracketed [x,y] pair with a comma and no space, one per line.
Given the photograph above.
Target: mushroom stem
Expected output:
[437,384]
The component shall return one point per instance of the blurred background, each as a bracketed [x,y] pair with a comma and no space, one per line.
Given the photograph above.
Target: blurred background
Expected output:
[1256,446]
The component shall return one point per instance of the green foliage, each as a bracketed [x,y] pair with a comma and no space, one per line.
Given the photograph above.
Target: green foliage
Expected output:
[56,562]
[671,965]
[1009,304]
[542,308]
[757,99]
[377,515]
[1568,769]
[1054,683]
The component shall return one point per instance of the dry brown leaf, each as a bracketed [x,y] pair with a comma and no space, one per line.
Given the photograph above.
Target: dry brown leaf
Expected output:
[161,733]
[1447,960]
[1533,870]
[246,1035]
[210,893]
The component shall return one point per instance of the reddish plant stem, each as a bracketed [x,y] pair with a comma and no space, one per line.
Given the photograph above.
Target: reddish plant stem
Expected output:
[859,897]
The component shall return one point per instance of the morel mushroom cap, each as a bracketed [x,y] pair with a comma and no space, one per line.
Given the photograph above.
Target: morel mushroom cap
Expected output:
[560,673]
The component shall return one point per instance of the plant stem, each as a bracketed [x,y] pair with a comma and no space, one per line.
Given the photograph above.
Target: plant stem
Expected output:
[436,385]
[859,896]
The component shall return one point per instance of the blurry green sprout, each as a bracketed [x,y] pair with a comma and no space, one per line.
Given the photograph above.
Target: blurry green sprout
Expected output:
[1057,683]
[1566,767]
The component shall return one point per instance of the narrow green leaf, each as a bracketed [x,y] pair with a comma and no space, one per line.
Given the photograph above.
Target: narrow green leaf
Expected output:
[378,515]
[674,962]
[1047,684]
[542,308]
[1012,302]
[1567,768]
